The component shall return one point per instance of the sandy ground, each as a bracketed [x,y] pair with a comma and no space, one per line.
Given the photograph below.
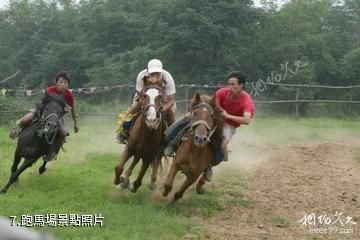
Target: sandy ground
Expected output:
[287,182]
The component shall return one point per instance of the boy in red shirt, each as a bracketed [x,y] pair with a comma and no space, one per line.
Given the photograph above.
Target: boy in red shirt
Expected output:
[62,81]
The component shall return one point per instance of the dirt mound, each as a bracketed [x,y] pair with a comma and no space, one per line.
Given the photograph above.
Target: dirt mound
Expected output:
[294,181]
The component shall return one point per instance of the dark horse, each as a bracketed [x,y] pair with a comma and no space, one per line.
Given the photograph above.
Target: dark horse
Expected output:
[36,139]
[197,149]
[145,140]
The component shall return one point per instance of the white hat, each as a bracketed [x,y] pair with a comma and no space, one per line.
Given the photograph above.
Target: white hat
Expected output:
[154,65]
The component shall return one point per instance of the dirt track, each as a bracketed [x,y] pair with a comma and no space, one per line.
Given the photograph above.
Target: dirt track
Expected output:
[285,182]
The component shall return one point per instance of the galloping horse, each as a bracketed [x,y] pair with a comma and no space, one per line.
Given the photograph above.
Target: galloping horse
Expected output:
[197,149]
[145,140]
[37,138]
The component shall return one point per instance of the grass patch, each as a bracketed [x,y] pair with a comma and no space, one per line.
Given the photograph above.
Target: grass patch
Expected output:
[316,238]
[305,130]
[281,221]
[80,182]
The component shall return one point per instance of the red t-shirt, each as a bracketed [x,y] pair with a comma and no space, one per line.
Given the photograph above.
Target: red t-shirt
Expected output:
[235,107]
[68,96]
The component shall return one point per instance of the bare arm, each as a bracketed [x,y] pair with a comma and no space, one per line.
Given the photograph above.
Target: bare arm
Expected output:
[74,117]
[246,119]
[170,102]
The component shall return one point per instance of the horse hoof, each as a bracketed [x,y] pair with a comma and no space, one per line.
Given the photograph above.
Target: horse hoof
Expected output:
[152,186]
[167,189]
[177,196]
[122,179]
[42,170]
[124,183]
[116,180]
[132,188]
[200,190]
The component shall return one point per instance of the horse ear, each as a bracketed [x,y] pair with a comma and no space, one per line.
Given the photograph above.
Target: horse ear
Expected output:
[197,97]
[213,101]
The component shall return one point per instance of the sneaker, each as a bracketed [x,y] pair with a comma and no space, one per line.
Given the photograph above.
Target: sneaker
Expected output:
[169,150]
[121,138]
[208,174]
[14,133]
[226,156]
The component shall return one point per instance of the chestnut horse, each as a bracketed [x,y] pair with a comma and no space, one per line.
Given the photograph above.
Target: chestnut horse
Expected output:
[197,149]
[145,140]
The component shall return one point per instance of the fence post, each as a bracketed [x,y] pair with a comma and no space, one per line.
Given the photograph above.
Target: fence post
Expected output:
[130,95]
[350,99]
[297,103]
[186,99]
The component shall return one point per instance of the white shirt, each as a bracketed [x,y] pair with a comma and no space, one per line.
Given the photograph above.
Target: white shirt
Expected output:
[169,83]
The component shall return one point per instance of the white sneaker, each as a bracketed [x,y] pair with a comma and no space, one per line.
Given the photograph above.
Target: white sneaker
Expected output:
[168,151]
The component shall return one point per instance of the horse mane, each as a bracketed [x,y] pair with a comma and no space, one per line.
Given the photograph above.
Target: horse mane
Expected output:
[217,137]
[50,98]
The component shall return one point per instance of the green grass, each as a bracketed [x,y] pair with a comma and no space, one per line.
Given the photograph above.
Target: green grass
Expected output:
[305,130]
[80,182]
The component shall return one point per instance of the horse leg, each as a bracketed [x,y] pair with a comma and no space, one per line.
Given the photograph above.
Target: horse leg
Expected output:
[155,166]
[17,158]
[137,183]
[42,169]
[126,179]
[187,183]
[199,186]
[14,176]
[170,178]
[120,167]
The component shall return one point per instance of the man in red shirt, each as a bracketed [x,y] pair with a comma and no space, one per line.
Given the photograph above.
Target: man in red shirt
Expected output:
[237,108]
[62,81]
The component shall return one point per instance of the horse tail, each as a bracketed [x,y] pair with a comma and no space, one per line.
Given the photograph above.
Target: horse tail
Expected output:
[162,163]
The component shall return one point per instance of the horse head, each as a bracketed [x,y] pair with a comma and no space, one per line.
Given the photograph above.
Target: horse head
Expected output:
[51,110]
[203,119]
[151,100]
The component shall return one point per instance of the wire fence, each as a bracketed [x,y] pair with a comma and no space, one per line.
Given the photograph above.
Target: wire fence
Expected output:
[289,98]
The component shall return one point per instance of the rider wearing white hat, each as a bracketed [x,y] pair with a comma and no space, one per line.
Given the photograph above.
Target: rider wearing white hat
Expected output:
[153,73]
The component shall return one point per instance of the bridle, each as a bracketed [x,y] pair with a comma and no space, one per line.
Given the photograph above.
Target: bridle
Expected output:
[43,120]
[157,109]
[194,124]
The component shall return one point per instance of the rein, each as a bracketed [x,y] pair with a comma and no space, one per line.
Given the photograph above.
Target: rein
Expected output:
[43,120]
[203,122]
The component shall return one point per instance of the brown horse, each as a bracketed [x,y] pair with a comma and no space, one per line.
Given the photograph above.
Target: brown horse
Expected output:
[145,140]
[197,149]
